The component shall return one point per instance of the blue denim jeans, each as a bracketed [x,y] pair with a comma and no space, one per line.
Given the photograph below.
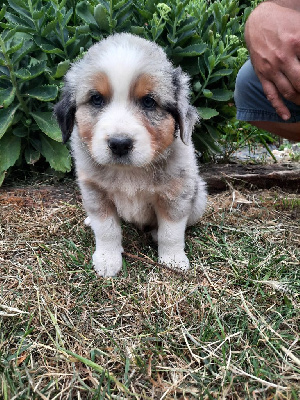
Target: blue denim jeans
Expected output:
[251,102]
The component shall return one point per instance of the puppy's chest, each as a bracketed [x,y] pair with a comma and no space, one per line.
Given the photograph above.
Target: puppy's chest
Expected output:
[137,208]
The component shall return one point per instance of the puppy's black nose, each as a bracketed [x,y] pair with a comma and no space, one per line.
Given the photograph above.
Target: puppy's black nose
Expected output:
[120,146]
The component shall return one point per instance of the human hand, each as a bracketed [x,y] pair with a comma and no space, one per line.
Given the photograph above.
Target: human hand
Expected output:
[273,38]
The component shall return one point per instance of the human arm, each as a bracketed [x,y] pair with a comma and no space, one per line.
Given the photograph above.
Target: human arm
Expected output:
[272,35]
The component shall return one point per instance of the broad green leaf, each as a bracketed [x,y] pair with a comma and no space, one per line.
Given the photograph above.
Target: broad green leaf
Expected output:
[47,46]
[36,15]
[26,48]
[119,4]
[20,131]
[23,74]
[137,30]
[3,62]
[81,30]
[214,133]
[208,141]
[10,148]
[31,155]
[179,9]
[189,24]
[31,72]
[67,17]
[80,43]
[145,14]
[20,8]
[15,48]
[207,113]
[21,29]
[222,94]
[76,47]
[123,12]
[193,50]
[83,9]
[222,72]
[56,154]
[172,39]
[224,22]
[43,93]
[4,72]
[207,93]
[36,142]
[181,40]
[59,17]
[217,12]
[61,69]
[71,41]
[8,34]
[101,17]
[6,119]
[20,22]
[2,12]
[7,96]
[49,28]
[211,62]
[47,124]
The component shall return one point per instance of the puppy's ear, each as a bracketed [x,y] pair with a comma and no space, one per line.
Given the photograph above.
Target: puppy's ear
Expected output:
[187,114]
[64,111]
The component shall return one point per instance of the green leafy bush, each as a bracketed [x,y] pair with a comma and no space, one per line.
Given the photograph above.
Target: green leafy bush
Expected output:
[40,38]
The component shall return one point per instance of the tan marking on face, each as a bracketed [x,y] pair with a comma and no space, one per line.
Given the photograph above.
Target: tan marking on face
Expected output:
[101,84]
[85,123]
[162,136]
[166,131]
[144,85]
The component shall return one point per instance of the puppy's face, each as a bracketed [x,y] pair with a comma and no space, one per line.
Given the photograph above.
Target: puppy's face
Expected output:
[124,121]
[123,97]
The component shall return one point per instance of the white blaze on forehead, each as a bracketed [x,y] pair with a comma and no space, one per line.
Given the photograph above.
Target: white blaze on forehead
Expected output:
[122,65]
[124,60]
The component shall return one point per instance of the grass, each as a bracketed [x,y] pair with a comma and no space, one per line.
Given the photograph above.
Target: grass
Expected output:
[229,329]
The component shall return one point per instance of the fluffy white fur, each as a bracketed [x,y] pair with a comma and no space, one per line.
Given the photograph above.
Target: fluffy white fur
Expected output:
[127,111]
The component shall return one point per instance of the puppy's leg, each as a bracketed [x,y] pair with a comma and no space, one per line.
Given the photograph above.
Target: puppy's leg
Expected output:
[105,223]
[199,202]
[170,237]
[107,258]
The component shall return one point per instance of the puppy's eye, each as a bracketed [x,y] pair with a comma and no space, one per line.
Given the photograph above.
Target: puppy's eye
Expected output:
[148,102]
[97,100]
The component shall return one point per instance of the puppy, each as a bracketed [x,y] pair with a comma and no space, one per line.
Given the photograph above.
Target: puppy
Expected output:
[127,111]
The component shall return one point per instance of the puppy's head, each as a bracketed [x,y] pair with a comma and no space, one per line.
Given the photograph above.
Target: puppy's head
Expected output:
[127,101]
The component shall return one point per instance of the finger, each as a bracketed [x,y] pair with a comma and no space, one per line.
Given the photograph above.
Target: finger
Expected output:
[273,95]
[287,85]
[292,74]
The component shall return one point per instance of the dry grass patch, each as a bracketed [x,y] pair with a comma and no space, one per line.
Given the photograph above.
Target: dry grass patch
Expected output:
[229,329]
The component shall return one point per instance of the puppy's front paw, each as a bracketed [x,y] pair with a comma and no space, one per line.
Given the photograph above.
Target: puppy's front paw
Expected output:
[175,261]
[107,264]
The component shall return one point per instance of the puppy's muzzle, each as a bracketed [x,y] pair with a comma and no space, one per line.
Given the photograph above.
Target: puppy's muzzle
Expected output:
[120,146]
